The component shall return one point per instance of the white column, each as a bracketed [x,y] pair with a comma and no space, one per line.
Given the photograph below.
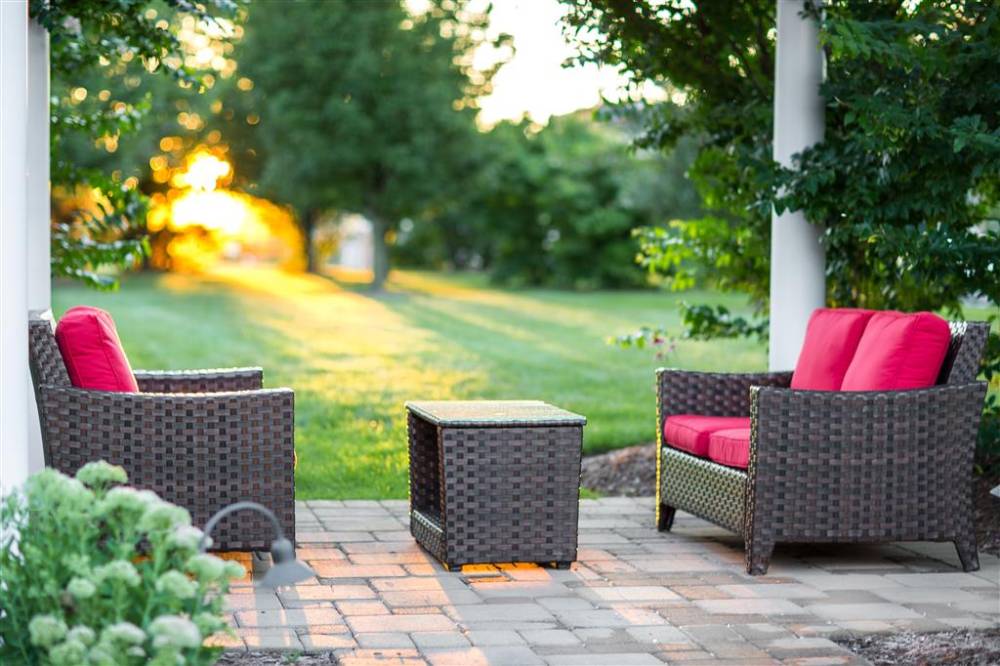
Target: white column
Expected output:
[798,281]
[13,243]
[38,207]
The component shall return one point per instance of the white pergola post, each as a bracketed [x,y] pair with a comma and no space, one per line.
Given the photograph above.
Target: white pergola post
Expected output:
[39,207]
[798,264]
[14,463]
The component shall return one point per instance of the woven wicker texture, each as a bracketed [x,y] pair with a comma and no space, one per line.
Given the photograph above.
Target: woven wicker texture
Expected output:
[962,364]
[702,488]
[711,393]
[45,360]
[202,451]
[495,494]
[830,466]
[200,381]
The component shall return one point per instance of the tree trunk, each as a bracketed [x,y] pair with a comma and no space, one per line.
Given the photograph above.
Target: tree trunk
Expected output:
[309,221]
[380,260]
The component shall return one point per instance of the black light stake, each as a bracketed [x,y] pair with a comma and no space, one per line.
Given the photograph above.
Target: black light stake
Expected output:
[285,570]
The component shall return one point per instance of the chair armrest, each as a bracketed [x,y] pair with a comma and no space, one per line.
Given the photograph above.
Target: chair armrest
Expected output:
[200,381]
[710,393]
[202,451]
[829,465]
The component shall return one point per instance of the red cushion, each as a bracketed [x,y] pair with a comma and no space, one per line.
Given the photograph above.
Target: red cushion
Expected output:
[831,339]
[730,447]
[689,432]
[899,351]
[92,352]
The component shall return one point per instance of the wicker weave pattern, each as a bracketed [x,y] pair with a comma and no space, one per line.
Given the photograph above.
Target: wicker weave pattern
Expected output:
[200,451]
[47,367]
[962,365]
[495,494]
[698,485]
[882,466]
[711,393]
[831,466]
[200,381]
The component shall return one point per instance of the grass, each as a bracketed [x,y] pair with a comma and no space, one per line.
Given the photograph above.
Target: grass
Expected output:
[354,358]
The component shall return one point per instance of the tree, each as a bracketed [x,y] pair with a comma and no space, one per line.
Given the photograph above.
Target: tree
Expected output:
[554,206]
[116,43]
[362,107]
[905,184]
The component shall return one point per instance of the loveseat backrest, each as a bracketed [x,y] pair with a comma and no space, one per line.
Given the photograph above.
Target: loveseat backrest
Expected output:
[47,367]
[965,354]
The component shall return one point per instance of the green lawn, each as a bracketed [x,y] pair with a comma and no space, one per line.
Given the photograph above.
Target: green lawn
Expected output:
[354,359]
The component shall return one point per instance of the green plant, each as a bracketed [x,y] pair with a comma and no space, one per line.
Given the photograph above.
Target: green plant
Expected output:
[373,118]
[110,43]
[906,183]
[95,572]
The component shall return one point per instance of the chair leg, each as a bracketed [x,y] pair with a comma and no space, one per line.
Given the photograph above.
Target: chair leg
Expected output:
[968,552]
[665,519]
[758,554]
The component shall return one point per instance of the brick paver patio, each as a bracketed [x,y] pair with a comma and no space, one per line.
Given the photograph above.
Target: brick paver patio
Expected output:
[635,597]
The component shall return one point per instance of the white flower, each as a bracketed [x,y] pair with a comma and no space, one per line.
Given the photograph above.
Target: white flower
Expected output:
[46,630]
[81,588]
[127,503]
[174,631]
[162,516]
[234,570]
[208,623]
[123,632]
[176,584]
[207,568]
[81,633]
[187,537]
[70,653]
[100,473]
[56,492]
[118,571]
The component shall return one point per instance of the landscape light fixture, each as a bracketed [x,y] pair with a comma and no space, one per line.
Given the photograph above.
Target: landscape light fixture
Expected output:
[285,569]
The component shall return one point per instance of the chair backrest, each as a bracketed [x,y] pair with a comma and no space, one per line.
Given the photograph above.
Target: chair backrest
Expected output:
[47,367]
[965,354]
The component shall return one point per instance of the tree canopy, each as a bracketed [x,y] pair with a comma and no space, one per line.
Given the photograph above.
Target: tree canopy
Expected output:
[906,183]
[112,44]
[363,107]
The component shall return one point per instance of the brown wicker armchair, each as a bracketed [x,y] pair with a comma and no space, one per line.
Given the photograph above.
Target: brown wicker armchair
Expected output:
[199,439]
[831,466]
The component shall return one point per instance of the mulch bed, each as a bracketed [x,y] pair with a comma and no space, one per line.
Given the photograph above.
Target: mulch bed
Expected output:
[632,472]
[965,648]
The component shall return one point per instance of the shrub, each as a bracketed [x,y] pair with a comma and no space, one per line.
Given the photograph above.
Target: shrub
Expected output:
[95,572]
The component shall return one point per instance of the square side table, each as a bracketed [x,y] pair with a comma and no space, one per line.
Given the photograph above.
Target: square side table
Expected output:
[495,481]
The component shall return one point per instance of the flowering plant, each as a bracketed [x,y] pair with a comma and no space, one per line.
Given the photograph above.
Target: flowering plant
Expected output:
[95,572]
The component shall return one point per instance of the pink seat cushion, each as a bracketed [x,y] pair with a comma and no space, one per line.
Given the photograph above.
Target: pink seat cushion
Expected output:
[690,432]
[730,447]
[899,351]
[92,352]
[831,339]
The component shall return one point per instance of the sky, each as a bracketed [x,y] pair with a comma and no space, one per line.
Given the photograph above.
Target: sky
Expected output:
[534,81]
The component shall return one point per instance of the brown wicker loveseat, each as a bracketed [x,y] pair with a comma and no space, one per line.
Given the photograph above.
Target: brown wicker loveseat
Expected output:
[831,466]
[200,439]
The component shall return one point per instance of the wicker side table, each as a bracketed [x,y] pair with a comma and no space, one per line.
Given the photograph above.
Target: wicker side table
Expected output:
[495,481]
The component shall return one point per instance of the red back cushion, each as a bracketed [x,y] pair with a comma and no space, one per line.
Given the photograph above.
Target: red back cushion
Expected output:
[831,339]
[92,352]
[899,351]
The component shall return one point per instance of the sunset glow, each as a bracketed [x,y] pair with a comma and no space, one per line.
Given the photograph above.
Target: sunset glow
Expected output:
[201,221]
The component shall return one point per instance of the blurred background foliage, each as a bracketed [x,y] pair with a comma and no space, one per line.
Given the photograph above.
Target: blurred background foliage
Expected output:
[188,133]
[906,182]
